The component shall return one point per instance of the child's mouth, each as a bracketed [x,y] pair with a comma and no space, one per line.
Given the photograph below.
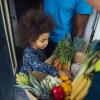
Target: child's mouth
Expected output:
[44,46]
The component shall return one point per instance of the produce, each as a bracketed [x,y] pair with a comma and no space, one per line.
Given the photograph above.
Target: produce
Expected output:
[22,79]
[86,63]
[39,89]
[80,89]
[96,58]
[66,84]
[66,87]
[97,66]
[84,91]
[75,68]
[58,93]
[64,52]
[52,81]
[69,82]
[64,77]
[90,70]
[79,57]
[76,83]
[81,81]
[61,55]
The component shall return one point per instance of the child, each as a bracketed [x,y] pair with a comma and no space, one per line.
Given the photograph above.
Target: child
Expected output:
[34,29]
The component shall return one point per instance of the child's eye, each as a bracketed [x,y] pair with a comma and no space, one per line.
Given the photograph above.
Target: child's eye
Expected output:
[42,41]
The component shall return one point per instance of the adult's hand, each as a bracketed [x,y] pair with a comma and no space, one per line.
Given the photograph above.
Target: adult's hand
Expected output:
[95,4]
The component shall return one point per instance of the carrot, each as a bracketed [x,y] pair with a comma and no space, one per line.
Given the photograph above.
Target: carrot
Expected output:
[56,63]
[59,66]
[56,60]
[65,66]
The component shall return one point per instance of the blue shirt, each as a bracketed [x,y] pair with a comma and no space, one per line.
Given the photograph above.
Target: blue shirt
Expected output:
[32,59]
[63,12]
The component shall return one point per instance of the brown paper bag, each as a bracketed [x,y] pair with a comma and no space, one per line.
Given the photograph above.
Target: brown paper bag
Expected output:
[38,75]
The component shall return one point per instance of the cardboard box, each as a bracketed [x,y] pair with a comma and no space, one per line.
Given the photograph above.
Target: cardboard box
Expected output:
[31,97]
[38,75]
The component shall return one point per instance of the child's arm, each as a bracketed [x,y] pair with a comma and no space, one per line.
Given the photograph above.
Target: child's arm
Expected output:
[45,68]
[31,61]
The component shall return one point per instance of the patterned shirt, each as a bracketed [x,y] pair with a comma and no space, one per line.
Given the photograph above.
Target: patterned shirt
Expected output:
[32,59]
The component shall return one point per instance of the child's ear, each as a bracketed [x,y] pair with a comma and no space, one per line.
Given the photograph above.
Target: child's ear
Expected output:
[32,43]
[30,40]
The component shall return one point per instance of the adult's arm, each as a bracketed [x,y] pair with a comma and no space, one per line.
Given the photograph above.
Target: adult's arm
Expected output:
[83,10]
[79,24]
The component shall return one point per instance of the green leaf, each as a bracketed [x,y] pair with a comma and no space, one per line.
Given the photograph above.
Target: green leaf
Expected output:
[43,87]
[25,87]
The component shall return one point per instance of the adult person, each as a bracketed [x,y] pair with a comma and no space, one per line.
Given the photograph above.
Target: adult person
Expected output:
[70,16]
[94,91]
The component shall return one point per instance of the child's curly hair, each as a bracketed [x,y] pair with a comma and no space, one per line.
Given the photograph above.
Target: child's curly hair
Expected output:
[32,25]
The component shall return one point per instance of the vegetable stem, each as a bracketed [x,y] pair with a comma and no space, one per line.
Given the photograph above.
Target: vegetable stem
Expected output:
[91,69]
[86,65]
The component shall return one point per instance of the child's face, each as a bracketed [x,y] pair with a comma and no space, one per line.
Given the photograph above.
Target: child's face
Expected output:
[41,42]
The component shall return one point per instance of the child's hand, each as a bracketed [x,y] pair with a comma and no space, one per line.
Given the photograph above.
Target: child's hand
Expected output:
[48,61]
